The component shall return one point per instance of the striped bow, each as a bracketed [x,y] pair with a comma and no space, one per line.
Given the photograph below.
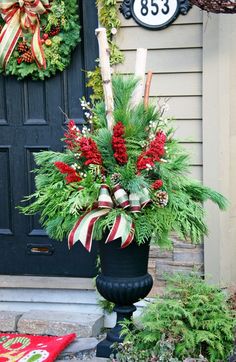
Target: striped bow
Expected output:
[21,16]
[123,226]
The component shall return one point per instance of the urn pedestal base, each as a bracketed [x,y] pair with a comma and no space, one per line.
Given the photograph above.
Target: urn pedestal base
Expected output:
[123,281]
[123,292]
[104,348]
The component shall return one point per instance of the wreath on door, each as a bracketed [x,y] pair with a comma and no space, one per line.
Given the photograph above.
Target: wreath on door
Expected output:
[37,36]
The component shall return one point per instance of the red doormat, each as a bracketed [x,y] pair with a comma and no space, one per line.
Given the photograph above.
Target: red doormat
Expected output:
[27,348]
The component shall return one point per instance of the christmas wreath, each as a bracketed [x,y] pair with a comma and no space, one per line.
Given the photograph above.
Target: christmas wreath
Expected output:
[131,179]
[37,36]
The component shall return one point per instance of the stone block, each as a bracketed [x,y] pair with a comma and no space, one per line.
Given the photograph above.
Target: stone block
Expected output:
[194,256]
[156,252]
[60,323]
[8,321]
[80,345]
[164,267]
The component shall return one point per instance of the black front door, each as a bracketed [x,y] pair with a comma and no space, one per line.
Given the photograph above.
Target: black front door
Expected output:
[30,121]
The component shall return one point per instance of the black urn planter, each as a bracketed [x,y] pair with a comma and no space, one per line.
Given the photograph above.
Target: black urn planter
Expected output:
[123,280]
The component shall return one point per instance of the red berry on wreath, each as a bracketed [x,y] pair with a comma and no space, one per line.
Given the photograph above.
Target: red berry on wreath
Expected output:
[19,60]
[54,30]
[42,41]
[45,36]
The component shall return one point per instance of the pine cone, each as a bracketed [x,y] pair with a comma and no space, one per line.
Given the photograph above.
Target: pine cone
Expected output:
[27,57]
[162,198]
[115,178]
[54,30]
[22,47]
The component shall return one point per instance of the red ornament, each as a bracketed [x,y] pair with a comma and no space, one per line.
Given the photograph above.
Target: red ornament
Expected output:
[45,36]
[90,151]
[72,175]
[118,144]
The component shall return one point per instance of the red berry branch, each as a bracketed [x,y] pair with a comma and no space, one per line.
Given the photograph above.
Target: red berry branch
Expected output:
[155,151]
[72,136]
[118,144]
[89,151]
[72,175]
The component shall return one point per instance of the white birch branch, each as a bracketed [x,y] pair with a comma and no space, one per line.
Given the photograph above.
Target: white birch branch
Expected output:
[104,57]
[140,67]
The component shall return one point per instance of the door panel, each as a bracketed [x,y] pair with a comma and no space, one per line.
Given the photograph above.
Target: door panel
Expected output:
[30,121]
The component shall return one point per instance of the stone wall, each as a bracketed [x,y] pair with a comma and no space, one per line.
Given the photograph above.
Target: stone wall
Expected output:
[184,258]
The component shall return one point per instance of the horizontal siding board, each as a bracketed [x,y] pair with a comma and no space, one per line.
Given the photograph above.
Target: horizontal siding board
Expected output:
[165,61]
[187,130]
[194,16]
[195,152]
[196,173]
[189,84]
[182,107]
[176,36]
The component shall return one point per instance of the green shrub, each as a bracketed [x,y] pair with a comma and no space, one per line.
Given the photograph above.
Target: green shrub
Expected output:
[192,315]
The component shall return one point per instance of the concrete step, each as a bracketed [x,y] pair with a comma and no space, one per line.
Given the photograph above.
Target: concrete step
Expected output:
[51,323]
[81,349]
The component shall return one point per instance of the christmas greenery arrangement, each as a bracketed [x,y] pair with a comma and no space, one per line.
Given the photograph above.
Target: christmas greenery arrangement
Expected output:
[192,319]
[131,178]
[37,37]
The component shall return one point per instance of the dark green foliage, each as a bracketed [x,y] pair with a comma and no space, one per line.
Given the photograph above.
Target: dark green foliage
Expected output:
[193,315]
[58,56]
[58,203]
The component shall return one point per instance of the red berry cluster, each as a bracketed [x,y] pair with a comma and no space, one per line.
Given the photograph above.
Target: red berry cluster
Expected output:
[72,135]
[154,153]
[72,175]
[157,184]
[89,151]
[54,31]
[118,144]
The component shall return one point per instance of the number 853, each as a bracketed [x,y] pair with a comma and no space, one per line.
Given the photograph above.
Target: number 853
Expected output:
[154,8]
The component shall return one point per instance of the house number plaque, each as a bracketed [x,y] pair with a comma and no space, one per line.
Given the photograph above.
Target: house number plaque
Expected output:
[154,14]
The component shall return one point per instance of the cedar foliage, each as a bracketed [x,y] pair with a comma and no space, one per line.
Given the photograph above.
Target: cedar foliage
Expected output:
[60,204]
[194,316]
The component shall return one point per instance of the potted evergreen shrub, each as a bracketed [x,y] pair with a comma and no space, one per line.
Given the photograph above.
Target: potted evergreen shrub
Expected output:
[122,180]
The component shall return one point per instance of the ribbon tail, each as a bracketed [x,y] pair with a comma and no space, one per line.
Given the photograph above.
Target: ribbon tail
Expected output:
[37,49]
[122,228]
[8,39]
[83,229]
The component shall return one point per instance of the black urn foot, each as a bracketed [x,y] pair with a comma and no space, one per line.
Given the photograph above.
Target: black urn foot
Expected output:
[104,348]
[123,292]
